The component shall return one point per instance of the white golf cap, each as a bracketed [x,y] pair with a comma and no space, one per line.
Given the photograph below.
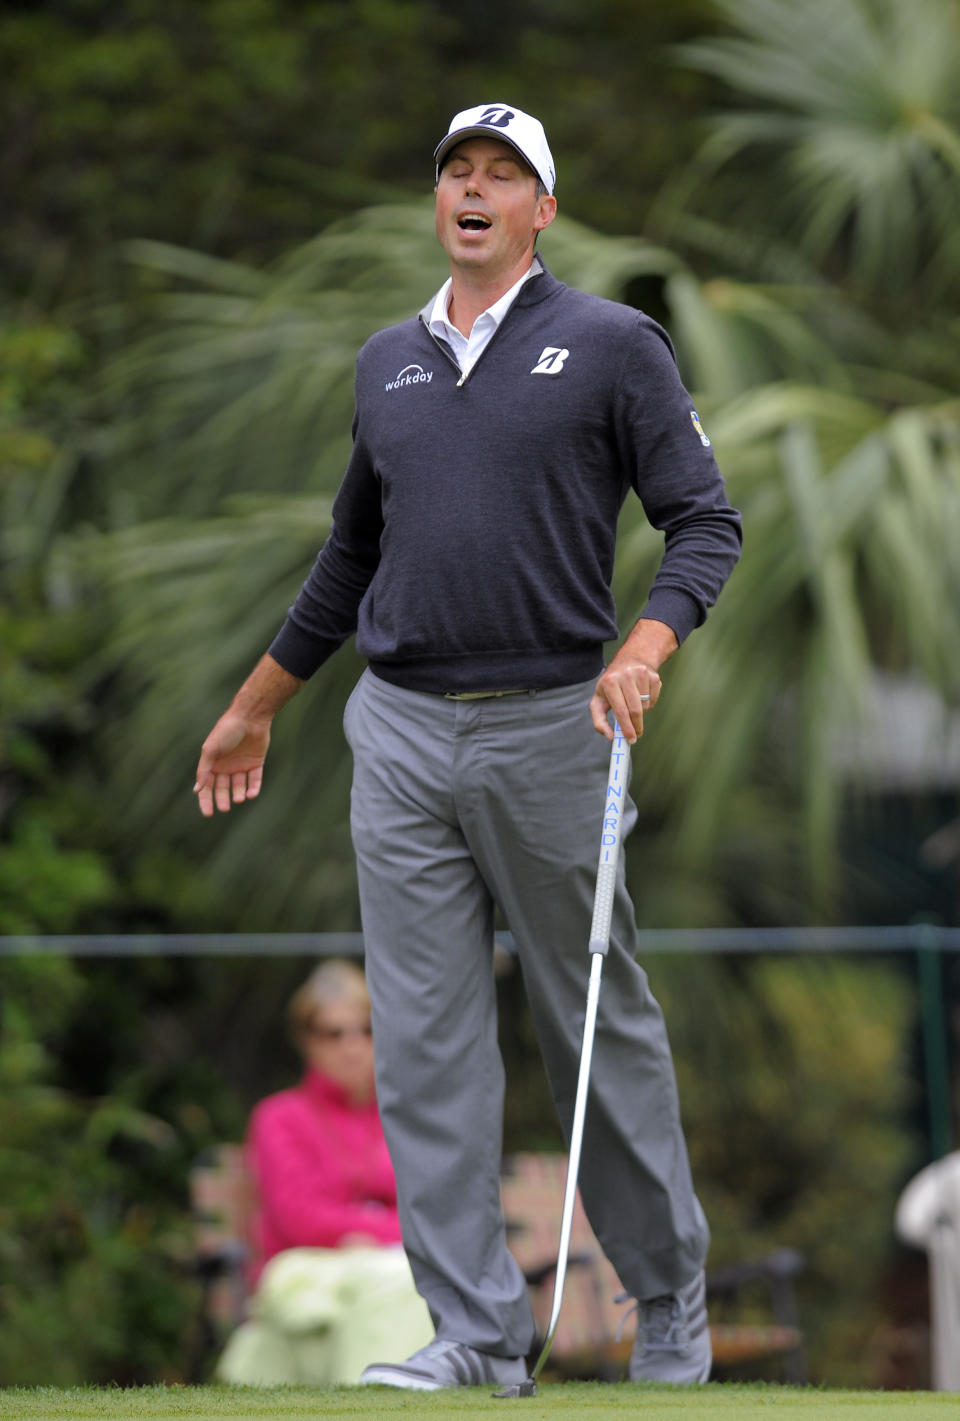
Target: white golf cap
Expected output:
[511,126]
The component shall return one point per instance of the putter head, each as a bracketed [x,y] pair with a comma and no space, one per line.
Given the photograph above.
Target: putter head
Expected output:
[527,1388]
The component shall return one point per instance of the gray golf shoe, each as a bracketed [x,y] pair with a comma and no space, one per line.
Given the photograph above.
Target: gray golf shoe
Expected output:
[445,1364]
[673,1338]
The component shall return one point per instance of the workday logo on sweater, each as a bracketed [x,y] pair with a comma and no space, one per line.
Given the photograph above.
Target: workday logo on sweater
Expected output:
[410,375]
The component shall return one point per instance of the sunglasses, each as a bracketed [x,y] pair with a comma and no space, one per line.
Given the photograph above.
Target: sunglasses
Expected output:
[338,1033]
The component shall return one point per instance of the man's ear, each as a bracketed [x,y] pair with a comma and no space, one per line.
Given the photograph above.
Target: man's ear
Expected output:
[546,212]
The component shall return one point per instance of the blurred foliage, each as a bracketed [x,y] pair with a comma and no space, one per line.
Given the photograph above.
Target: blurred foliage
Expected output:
[793,1103]
[49,877]
[856,110]
[244,126]
[176,348]
[851,502]
[89,1229]
[63,865]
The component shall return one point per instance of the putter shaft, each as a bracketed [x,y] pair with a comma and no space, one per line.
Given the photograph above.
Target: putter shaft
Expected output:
[610,841]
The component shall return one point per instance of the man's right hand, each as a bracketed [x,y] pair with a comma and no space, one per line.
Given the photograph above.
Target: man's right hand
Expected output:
[231,763]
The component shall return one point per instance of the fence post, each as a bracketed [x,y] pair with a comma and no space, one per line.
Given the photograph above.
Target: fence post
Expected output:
[934,1035]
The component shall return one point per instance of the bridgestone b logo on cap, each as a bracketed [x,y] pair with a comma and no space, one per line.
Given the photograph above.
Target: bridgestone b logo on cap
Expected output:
[496,117]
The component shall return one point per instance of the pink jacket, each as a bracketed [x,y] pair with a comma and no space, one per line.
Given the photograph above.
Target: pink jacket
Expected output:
[321,1171]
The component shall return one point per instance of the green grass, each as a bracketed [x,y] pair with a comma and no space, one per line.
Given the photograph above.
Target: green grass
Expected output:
[755,1402]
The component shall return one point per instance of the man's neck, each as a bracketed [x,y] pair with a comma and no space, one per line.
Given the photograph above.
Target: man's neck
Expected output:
[473,291]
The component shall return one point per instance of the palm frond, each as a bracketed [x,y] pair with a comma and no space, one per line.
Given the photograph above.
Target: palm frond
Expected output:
[849,517]
[235,406]
[860,103]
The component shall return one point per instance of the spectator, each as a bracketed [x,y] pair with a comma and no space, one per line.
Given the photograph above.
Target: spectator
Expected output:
[332,1286]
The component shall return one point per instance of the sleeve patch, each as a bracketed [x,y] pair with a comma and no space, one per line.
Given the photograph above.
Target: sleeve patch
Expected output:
[699,428]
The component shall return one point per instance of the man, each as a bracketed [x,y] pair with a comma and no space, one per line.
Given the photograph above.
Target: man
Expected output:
[496,437]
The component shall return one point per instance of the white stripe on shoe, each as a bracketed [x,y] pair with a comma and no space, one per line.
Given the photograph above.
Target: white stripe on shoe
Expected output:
[673,1337]
[443,1363]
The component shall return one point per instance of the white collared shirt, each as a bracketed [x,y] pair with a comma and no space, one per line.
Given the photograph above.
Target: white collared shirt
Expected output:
[468,349]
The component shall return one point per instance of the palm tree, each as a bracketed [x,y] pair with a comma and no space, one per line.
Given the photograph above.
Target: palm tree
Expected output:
[832,366]
[851,512]
[831,403]
[236,412]
[841,136]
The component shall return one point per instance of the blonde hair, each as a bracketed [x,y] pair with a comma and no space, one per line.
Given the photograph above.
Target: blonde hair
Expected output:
[335,981]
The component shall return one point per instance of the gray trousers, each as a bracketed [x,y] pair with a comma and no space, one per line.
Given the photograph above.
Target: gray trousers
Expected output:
[458,806]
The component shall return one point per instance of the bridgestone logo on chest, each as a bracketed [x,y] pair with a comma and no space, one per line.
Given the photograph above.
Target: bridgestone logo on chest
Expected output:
[410,375]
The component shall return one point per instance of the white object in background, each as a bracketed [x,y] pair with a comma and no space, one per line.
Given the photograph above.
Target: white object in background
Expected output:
[928,1215]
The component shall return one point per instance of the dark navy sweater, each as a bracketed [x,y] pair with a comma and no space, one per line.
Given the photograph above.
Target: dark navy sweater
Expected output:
[473,535]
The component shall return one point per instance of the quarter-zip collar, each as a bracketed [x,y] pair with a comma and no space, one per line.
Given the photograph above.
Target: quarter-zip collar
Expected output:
[427,315]
[537,269]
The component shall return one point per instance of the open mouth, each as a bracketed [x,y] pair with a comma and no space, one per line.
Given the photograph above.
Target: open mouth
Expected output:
[473,222]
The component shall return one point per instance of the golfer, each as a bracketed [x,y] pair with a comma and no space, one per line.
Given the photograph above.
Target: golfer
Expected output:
[496,438]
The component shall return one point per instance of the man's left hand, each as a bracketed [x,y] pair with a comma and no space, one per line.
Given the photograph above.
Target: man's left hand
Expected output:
[630,686]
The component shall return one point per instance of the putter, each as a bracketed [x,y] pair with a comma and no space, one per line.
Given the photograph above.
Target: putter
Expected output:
[599,944]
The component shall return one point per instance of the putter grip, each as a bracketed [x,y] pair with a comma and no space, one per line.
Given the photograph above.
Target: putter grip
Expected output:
[610,844]
[603,907]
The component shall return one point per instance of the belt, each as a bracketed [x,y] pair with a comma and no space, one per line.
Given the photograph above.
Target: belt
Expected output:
[482,695]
